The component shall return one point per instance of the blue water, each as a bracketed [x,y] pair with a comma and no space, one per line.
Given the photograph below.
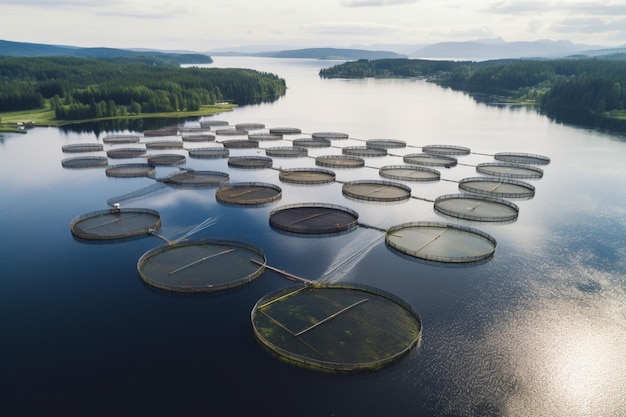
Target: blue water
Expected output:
[540,329]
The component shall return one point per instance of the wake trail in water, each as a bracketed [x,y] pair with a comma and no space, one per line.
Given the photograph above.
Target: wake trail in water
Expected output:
[135,194]
[342,264]
[200,227]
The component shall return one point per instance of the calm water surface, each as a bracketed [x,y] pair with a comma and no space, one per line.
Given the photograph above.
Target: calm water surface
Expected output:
[538,330]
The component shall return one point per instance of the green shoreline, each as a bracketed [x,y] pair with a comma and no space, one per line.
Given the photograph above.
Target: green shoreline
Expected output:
[17,122]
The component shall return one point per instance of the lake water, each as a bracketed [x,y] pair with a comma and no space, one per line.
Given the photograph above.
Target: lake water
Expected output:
[539,329]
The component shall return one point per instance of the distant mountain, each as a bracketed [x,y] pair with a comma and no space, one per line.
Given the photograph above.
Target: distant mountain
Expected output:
[24,49]
[477,50]
[399,48]
[497,49]
[621,50]
[319,53]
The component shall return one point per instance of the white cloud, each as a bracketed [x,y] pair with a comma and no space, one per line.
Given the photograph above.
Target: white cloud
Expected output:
[201,25]
[351,28]
[590,25]
[556,7]
[513,7]
[606,9]
[465,32]
[376,3]
[60,4]
[162,11]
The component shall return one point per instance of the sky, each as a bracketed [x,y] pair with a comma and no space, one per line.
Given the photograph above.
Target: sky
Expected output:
[205,25]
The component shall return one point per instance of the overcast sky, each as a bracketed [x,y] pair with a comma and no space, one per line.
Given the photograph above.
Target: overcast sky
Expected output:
[203,25]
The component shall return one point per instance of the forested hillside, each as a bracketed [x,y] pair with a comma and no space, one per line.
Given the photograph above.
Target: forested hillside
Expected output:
[382,68]
[590,90]
[85,88]
[26,49]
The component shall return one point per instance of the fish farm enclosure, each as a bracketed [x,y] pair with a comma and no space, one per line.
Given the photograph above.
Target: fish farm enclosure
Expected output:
[481,276]
[331,327]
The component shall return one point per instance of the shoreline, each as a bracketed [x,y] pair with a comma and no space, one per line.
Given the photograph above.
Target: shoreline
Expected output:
[19,122]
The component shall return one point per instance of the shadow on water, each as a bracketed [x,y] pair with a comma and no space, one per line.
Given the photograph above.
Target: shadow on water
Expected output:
[138,125]
[150,123]
[578,117]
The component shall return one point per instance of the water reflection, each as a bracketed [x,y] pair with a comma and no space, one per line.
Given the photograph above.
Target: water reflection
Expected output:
[539,329]
[565,346]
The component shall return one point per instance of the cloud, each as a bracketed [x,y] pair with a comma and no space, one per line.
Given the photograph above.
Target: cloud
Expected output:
[592,25]
[111,8]
[512,7]
[588,8]
[163,11]
[607,9]
[376,3]
[471,32]
[351,28]
[82,4]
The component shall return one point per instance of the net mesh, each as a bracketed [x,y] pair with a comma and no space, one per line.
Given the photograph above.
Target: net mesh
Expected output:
[201,266]
[376,190]
[441,242]
[477,207]
[314,219]
[115,224]
[336,328]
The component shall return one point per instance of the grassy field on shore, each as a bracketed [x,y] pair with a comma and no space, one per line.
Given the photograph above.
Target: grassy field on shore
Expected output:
[15,121]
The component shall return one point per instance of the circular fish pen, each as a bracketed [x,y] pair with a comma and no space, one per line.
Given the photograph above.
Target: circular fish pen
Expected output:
[497,187]
[250,162]
[198,138]
[385,143]
[286,152]
[249,126]
[125,153]
[409,173]
[476,207]
[329,135]
[167,159]
[115,224]
[82,147]
[336,327]
[248,193]
[312,143]
[339,161]
[364,151]
[121,139]
[265,136]
[164,131]
[201,265]
[240,143]
[196,179]
[522,158]
[306,176]
[314,219]
[446,150]
[285,130]
[207,124]
[441,242]
[191,130]
[131,170]
[430,160]
[509,170]
[230,132]
[372,190]
[85,162]
[208,153]
[165,144]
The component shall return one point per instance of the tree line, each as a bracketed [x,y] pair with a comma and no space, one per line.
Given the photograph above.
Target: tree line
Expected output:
[87,88]
[588,87]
